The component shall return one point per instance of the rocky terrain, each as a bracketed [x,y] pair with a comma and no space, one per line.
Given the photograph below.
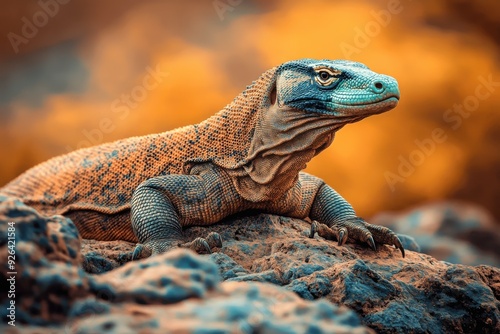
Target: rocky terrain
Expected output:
[269,277]
[455,232]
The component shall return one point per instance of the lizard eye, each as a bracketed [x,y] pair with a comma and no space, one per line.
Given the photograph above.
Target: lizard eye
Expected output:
[326,76]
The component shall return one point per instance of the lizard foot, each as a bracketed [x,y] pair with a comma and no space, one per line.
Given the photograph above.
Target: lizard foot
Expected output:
[199,245]
[357,229]
[153,247]
[204,245]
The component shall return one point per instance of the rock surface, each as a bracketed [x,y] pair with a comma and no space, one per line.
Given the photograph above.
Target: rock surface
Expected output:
[454,232]
[230,290]
[174,292]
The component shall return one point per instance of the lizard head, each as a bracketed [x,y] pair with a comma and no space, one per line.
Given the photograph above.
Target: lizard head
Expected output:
[289,115]
[338,88]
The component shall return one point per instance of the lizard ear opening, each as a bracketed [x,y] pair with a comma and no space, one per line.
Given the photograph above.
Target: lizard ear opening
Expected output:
[272,96]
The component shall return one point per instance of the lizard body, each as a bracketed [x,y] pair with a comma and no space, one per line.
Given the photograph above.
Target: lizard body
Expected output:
[247,156]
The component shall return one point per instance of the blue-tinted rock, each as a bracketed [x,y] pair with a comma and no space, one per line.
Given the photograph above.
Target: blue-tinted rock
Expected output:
[450,231]
[228,268]
[181,291]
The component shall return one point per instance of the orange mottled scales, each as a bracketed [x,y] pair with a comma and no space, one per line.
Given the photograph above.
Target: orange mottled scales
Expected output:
[247,156]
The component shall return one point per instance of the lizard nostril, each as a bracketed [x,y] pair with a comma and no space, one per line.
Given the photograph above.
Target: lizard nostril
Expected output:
[377,87]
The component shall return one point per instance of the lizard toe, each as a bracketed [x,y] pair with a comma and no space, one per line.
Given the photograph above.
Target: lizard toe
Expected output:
[397,243]
[141,251]
[340,234]
[371,242]
[153,247]
[314,229]
[199,245]
[343,235]
[355,229]
[322,230]
[384,235]
[214,240]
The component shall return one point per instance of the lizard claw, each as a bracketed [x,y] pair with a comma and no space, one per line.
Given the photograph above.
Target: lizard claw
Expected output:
[371,242]
[214,240]
[314,229]
[153,247]
[384,235]
[397,243]
[343,235]
[141,251]
[199,245]
[356,228]
[204,245]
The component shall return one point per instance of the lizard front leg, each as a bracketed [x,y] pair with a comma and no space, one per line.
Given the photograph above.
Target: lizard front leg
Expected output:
[161,206]
[337,220]
[333,217]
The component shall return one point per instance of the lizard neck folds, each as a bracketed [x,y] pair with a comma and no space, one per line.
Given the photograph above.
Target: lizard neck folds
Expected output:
[286,117]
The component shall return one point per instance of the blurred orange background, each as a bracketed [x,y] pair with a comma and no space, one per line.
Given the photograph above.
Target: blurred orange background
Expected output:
[72,71]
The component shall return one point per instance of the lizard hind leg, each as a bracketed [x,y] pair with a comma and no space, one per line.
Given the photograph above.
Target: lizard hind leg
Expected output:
[155,222]
[158,207]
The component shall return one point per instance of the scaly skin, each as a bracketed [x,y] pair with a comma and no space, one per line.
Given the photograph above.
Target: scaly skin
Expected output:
[247,156]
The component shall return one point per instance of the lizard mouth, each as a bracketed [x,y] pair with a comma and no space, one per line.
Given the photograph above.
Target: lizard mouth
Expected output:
[353,110]
[392,99]
[388,100]
[384,105]
[366,108]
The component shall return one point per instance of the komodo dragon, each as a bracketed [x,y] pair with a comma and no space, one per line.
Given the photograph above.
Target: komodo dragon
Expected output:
[248,156]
